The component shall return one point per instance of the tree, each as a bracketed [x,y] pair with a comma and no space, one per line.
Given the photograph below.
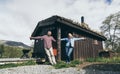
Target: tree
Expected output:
[111,29]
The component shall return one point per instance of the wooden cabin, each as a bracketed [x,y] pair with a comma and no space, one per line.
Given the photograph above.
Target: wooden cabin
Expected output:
[60,27]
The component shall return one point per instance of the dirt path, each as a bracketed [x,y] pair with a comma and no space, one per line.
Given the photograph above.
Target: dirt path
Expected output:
[48,69]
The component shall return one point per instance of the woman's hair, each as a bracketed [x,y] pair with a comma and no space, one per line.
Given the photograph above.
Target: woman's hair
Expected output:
[70,35]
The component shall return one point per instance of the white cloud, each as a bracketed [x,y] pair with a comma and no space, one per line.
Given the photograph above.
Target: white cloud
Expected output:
[18,18]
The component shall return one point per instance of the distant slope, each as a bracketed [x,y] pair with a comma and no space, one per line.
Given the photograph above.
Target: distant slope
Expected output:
[14,43]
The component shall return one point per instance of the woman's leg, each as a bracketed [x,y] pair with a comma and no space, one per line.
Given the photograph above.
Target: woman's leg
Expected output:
[67,50]
[69,54]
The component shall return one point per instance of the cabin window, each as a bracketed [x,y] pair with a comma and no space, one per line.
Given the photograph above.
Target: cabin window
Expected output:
[96,42]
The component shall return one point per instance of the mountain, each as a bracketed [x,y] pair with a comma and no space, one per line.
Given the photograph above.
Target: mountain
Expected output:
[14,43]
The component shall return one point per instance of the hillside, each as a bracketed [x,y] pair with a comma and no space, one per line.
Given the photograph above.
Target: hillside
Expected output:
[13,43]
[12,49]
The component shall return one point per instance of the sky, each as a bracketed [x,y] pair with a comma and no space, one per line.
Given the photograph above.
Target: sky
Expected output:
[18,18]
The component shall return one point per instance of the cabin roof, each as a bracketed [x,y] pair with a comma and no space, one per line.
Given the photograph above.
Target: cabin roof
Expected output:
[83,26]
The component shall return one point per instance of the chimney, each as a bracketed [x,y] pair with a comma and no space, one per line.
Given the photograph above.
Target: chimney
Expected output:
[82,19]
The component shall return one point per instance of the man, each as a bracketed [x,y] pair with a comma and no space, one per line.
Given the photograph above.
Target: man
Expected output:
[70,46]
[48,46]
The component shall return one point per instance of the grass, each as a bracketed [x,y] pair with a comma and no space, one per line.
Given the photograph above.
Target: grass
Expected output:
[26,63]
[62,64]
[104,60]
[75,62]
[8,65]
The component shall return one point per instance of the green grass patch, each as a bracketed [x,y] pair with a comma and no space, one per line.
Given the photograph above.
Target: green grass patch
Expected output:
[62,64]
[26,63]
[46,63]
[104,60]
[8,65]
[30,62]
[74,63]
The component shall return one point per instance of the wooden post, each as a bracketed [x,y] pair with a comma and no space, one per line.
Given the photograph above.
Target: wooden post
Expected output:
[74,57]
[59,43]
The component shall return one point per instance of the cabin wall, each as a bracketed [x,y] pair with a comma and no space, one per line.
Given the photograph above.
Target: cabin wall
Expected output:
[86,48]
[38,51]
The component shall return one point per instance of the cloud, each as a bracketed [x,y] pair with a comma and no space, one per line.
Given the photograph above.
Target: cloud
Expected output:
[18,18]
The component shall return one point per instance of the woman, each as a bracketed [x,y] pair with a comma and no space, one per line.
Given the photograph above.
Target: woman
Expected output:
[70,45]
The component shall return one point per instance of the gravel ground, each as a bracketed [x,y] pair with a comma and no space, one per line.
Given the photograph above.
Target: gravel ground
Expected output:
[47,69]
